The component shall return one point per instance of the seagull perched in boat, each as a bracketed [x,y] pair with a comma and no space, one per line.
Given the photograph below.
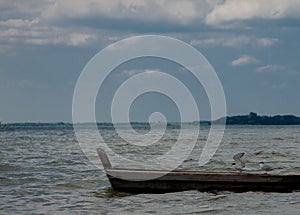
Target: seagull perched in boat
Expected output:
[241,159]
[267,167]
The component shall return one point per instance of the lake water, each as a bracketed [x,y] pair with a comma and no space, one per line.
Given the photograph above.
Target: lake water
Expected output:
[44,171]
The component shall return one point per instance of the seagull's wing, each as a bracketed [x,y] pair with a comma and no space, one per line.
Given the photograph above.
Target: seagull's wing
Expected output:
[248,156]
[242,158]
[238,158]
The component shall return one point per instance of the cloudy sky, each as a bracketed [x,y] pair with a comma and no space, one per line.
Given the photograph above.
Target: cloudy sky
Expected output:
[44,45]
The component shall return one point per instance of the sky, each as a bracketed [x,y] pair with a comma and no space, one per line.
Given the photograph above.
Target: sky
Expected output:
[253,47]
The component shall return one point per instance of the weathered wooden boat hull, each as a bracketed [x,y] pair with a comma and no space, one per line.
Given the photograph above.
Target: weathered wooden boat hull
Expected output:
[159,181]
[182,181]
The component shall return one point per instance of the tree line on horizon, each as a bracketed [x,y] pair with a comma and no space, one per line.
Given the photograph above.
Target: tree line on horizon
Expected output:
[255,119]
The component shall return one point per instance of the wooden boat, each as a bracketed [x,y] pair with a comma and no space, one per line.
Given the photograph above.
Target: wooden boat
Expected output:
[162,181]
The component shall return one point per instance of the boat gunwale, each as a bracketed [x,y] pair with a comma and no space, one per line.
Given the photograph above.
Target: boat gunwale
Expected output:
[191,172]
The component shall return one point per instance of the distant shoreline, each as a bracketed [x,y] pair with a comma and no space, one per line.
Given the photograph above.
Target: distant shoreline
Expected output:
[255,119]
[249,119]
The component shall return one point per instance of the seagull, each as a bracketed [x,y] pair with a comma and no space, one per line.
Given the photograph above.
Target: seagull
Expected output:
[241,159]
[267,167]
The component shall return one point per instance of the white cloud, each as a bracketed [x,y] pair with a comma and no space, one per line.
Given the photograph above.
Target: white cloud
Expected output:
[130,72]
[229,41]
[133,72]
[232,10]
[270,68]
[33,32]
[235,41]
[151,71]
[26,9]
[175,11]
[188,12]
[244,60]
[209,41]
[45,21]
[78,39]
[65,21]
[178,12]
[14,32]
[17,23]
[267,41]
[73,39]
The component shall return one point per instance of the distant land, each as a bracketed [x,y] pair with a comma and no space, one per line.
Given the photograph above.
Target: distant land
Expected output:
[255,119]
[249,119]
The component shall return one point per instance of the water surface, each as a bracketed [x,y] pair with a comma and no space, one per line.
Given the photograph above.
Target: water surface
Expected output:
[43,171]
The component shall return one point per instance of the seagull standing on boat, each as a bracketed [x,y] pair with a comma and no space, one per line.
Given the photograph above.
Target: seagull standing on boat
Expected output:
[241,159]
[267,167]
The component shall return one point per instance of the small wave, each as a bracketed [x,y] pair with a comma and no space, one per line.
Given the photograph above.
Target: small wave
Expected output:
[110,193]
[294,202]
[218,197]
